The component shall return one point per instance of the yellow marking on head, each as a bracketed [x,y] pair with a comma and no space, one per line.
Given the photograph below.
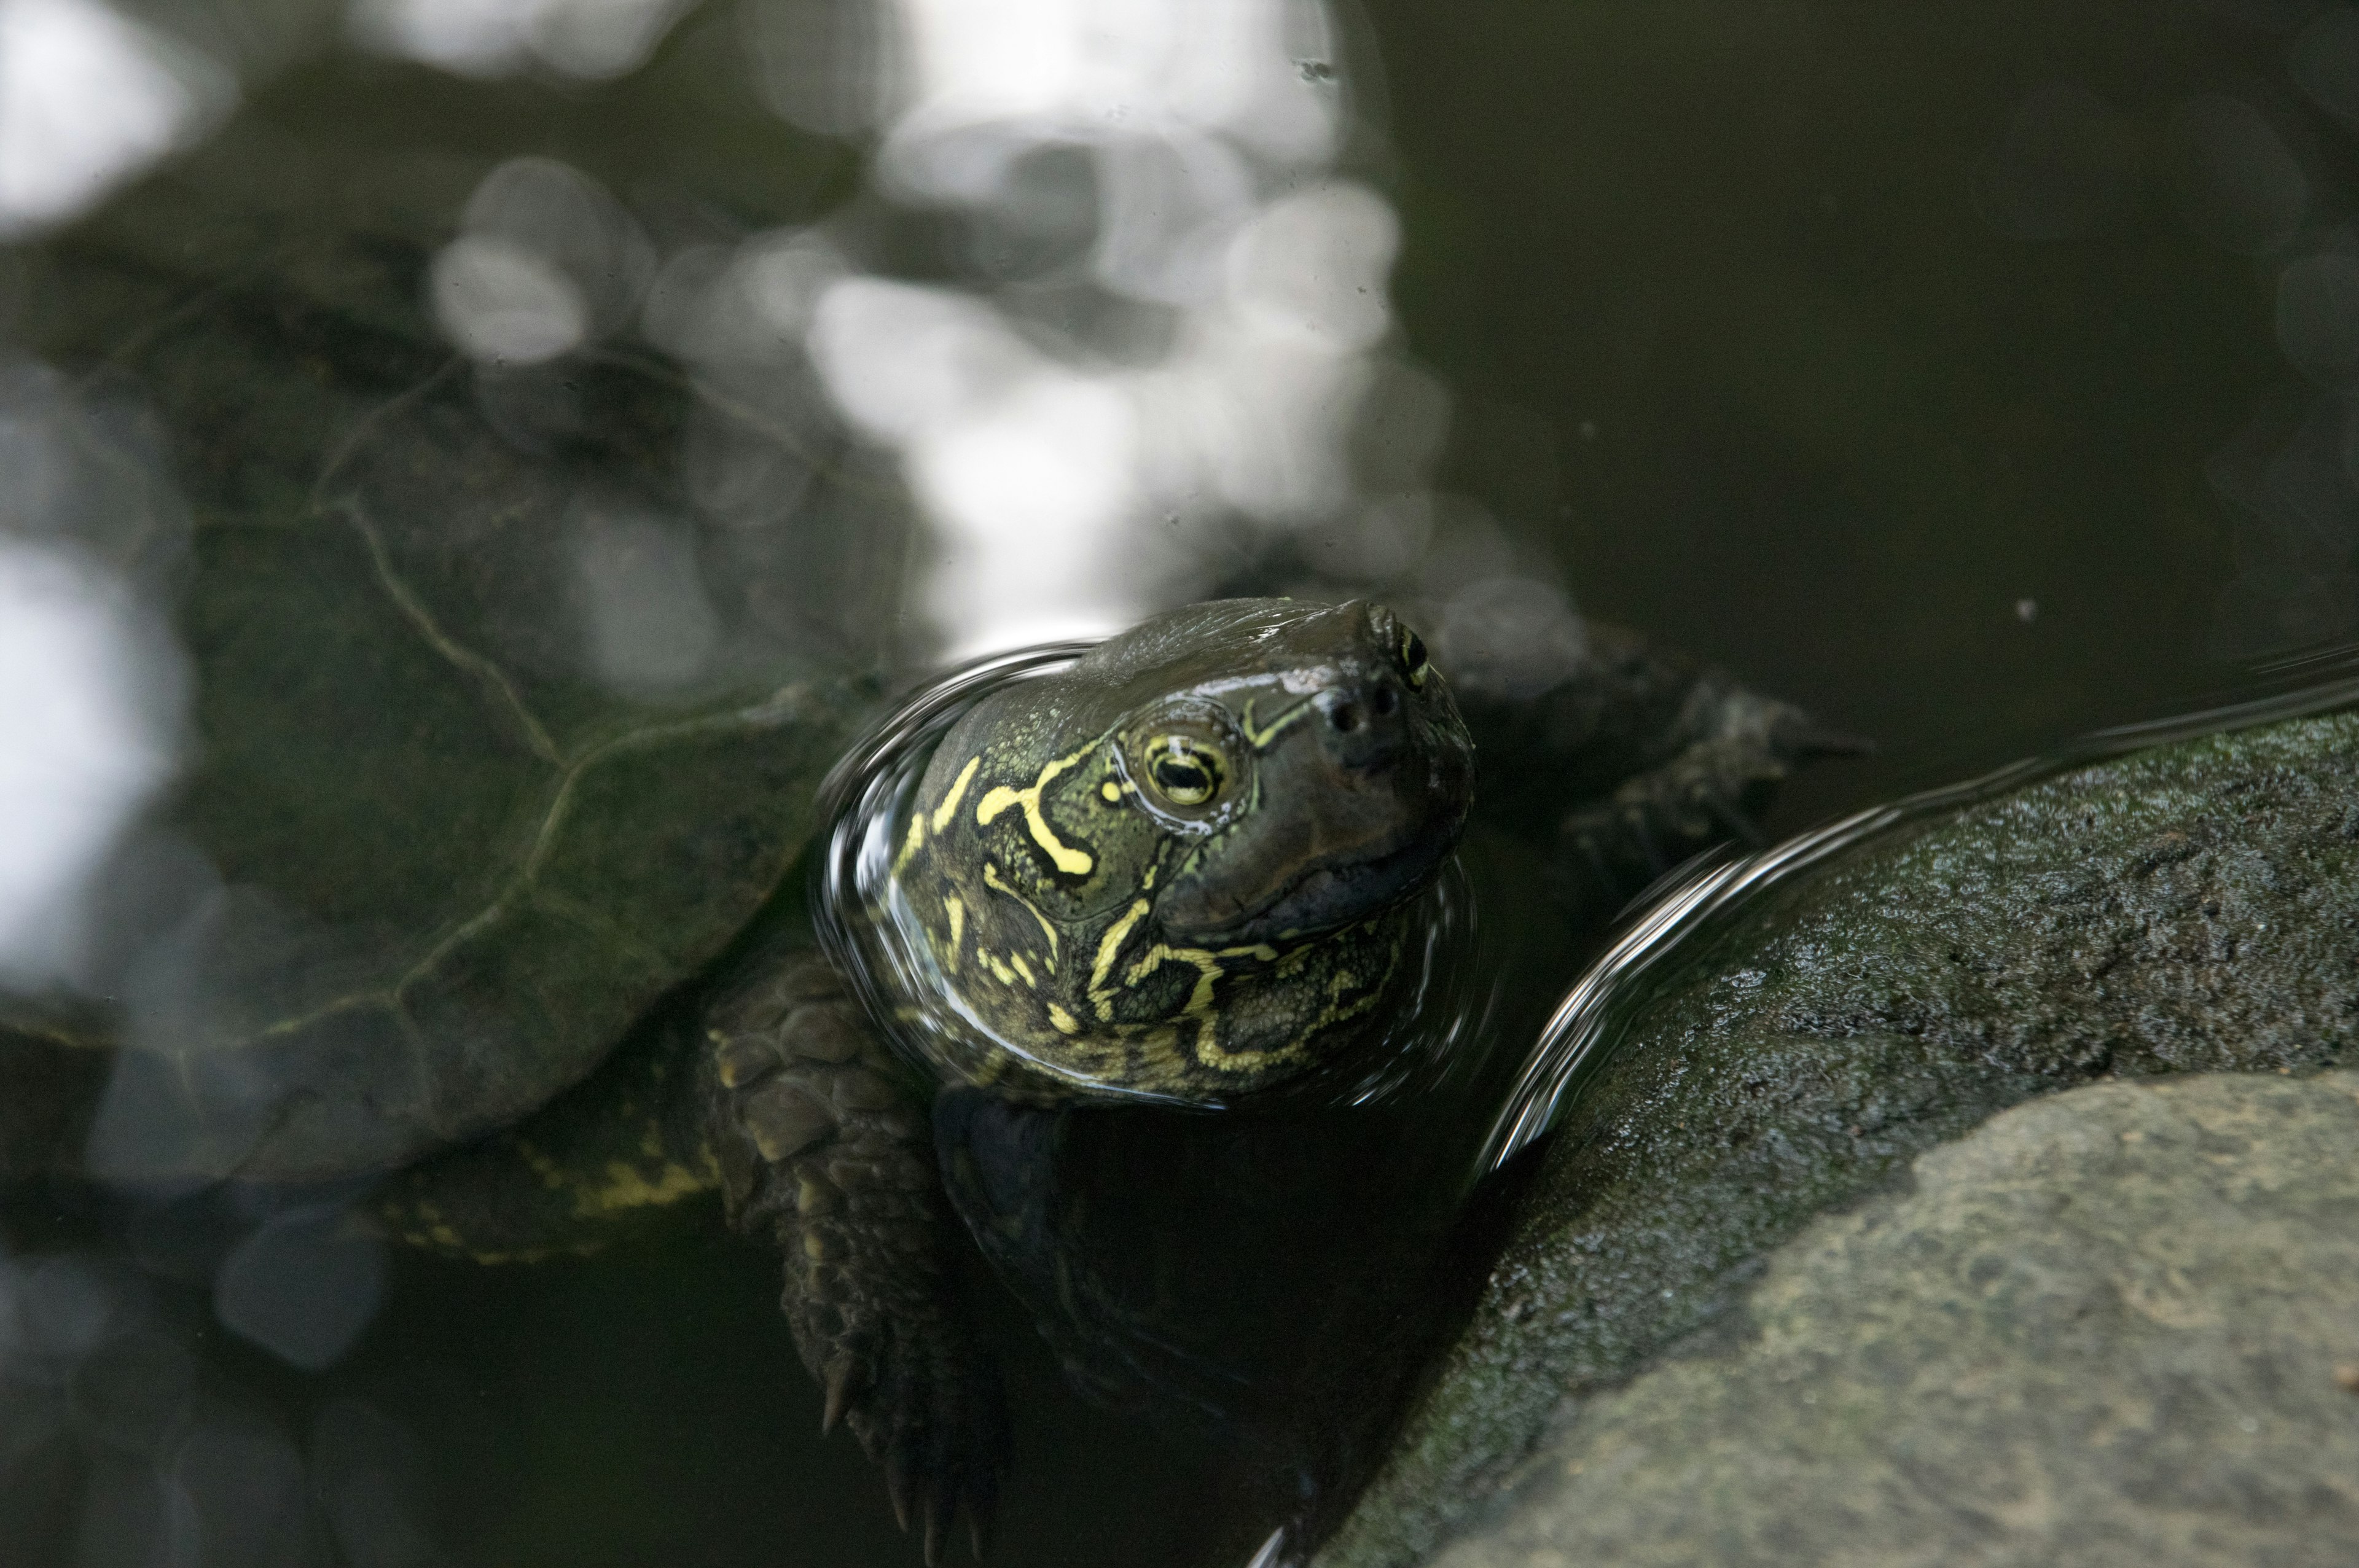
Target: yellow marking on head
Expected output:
[955,907]
[1065,1021]
[997,883]
[1209,967]
[1109,945]
[911,842]
[1015,961]
[1337,1010]
[1209,1052]
[948,808]
[1157,1060]
[1259,739]
[1005,975]
[1111,791]
[915,839]
[1063,855]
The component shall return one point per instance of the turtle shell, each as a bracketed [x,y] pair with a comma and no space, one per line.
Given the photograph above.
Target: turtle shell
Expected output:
[501,727]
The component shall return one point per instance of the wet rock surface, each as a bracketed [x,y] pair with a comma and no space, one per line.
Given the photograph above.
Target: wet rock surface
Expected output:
[2103,1328]
[2193,908]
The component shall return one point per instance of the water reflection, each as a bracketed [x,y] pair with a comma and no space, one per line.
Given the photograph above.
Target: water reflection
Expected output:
[119,1448]
[93,689]
[576,404]
[590,39]
[2239,185]
[1173,305]
[87,700]
[1158,325]
[88,99]
[546,262]
[2249,172]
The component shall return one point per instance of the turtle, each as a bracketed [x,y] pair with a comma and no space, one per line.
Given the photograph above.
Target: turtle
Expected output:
[521,932]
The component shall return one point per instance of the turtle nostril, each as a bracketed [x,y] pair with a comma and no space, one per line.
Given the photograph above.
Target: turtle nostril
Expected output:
[1344,717]
[1387,700]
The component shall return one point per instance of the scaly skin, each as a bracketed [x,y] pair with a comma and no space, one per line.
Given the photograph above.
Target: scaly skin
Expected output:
[1067,930]
[1635,760]
[1201,951]
[823,1153]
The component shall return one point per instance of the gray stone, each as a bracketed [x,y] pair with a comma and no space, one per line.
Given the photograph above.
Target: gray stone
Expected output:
[2193,908]
[2103,1329]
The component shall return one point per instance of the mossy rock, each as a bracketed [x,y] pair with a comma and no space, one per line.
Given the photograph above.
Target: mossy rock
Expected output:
[2193,908]
[2117,1326]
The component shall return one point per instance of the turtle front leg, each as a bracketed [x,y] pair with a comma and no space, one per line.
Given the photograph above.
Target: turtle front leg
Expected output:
[1737,746]
[1639,756]
[823,1152]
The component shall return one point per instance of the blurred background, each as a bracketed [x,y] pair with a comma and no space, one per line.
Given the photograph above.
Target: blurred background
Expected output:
[1974,375]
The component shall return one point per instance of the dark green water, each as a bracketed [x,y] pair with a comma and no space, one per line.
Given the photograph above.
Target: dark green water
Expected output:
[1844,423]
[1975,376]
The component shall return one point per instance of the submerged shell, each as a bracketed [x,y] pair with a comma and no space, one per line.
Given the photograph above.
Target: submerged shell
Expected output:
[496,738]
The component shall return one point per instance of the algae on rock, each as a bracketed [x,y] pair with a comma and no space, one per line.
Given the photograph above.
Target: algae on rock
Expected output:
[2103,1329]
[2191,908]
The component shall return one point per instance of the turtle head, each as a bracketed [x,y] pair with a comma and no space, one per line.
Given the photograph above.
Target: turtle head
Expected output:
[1317,780]
[1183,865]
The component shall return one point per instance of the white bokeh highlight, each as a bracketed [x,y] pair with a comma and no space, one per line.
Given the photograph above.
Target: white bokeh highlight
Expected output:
[89,98]
[648,624]
[545,261]
[88,706]
[588,39]
[502,303]
[1058,473]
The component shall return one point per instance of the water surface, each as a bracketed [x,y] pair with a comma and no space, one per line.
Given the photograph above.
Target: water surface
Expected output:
[1977,378]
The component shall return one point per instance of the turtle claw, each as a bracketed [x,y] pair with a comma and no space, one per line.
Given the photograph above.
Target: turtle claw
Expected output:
[839,1378]
[934,1526]
[936,1478]
[896,1488]
[817,1151]
[930,1413]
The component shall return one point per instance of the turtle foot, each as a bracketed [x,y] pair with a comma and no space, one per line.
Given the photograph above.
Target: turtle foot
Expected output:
[929,1411]
[1710,793]
[822,1151]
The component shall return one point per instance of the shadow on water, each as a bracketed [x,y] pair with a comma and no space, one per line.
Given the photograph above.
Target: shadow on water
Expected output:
[400,400]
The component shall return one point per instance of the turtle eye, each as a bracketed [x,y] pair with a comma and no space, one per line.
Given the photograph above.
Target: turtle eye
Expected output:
[1184,770]
[1412,657]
